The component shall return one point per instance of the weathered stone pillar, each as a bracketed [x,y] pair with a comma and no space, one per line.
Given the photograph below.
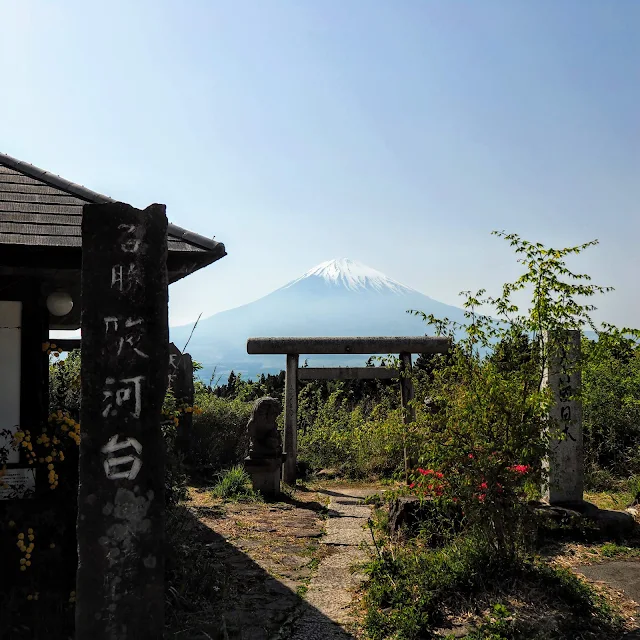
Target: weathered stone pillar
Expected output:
[180,381]
[120,580]
[406,388]
[291,419]
[264,462]
[408,412]
[565,462]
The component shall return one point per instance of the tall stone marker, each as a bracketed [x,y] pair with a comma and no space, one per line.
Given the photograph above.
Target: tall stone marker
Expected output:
[565,462]
[180,381]
[125,338]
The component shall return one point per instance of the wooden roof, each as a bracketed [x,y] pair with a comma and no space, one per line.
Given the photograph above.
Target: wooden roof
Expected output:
[40,209]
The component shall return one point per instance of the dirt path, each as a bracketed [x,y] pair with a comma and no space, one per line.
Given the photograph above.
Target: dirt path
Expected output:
[330,591]
[270,571]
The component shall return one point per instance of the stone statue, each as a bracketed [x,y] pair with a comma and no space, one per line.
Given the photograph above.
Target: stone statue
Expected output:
[264,438]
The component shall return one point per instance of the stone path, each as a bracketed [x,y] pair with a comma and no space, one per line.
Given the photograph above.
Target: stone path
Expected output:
[621,574]
[330,591]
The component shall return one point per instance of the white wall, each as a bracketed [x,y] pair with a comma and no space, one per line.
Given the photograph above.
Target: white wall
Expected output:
[10,351]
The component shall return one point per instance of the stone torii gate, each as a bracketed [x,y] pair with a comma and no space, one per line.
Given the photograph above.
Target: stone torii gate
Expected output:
[293,347]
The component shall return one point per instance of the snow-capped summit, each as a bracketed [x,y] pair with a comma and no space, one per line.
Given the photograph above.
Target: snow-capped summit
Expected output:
[353,276]
[336,298]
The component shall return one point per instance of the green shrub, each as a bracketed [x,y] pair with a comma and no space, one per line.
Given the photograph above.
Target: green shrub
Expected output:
[234,485]
[410,590]
[611,404]
[220,436]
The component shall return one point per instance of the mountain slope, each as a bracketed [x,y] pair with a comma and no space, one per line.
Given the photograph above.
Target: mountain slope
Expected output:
[336,298]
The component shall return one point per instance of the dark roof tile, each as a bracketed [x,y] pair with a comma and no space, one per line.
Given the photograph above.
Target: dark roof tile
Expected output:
[40,208]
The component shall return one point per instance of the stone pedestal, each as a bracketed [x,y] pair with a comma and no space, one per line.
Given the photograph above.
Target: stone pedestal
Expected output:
[265,475]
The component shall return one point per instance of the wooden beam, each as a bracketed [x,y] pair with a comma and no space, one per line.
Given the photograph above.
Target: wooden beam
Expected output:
[368,345]
[347,373]
[291,419]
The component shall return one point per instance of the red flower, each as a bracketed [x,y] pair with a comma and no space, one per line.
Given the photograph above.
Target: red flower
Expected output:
[471,456]
[413,484]
[499,487]
[426,472]
[455,499]
[439,474]
[482,496]
[520,468]
[483,485]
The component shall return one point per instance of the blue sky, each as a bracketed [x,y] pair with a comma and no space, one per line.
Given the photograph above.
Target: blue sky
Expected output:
[398,134]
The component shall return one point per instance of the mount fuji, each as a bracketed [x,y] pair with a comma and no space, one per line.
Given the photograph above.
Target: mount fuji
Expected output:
[336,298]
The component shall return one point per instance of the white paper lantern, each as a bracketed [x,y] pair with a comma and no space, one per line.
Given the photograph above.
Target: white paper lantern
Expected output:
[59,303]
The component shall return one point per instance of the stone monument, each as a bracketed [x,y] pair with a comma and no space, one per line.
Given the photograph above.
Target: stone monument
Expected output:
[565,462]
[264,462]
[125,338]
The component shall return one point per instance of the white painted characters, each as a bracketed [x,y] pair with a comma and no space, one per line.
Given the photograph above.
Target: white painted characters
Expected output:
[131,244]
[116,397]
[124,278]
[130,332]
[112,462]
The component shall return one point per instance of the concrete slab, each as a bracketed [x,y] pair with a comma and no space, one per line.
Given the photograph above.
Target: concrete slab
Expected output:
[621,574]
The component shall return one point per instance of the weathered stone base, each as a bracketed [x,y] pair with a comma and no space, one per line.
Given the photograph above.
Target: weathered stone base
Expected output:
[265,475]
[608,523]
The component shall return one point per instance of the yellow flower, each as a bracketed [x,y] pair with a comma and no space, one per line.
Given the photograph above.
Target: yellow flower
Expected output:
[22,561]
[27,555]
[21,536]
[61,456]
[49,466]
[31,536]
[12,523]
[29,597]
[29,530]
[52,545]
[28,563]
[23,568]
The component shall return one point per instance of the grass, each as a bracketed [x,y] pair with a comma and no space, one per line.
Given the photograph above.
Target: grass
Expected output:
[234,485]
[608,492]
[412,591]
[613,550]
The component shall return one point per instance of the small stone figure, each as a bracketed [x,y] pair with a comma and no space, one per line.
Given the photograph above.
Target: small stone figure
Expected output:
[264,438]
[264,462]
